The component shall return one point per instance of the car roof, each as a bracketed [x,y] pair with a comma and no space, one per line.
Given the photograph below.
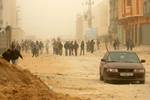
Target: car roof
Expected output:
[121,52]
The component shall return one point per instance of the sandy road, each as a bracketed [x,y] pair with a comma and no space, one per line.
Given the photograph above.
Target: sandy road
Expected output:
[79,76]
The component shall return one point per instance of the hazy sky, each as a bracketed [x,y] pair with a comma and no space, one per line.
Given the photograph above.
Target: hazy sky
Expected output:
[49,17]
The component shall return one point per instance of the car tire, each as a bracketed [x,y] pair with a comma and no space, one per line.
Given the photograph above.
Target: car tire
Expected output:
[101,77]
[105,81]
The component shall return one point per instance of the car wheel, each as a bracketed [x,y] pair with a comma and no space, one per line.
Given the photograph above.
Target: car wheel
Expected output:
[105,81]
[101,77]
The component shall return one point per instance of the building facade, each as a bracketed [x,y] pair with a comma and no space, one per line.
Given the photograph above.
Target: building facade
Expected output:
[79,27]
[147,8]
[9,30]
[113,18]
[115,29]
[133,16]
[101,17]
[1,13]
[100,22]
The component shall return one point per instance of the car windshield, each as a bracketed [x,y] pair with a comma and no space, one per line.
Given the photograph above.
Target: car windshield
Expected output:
[126,57]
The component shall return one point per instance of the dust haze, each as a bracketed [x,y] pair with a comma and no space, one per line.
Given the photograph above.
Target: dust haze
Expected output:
[50,18]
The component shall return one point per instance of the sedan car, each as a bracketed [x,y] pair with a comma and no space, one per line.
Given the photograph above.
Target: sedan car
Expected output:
[122,66]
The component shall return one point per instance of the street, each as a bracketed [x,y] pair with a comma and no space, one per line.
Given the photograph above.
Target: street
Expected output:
[79,76]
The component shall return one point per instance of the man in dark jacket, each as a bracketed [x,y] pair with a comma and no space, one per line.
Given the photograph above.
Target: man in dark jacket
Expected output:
[129,44]
[66,46]
[7,55]
[15,54]
[60,47]
[82,48]
[92,43]
[76,46]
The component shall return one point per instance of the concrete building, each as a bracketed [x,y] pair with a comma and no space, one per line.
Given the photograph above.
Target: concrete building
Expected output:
[133,16]
[5,37]
[100,21]
[147,8]
[79,27]
[9,30]
[101,17]
[113,18]
[8,17]
[115,29]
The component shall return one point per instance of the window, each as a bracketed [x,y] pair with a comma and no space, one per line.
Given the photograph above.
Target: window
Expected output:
[147,8]
[125,57]
[129,2]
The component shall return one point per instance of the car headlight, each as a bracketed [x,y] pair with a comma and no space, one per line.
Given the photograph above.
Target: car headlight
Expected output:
[112,70]
[139,70]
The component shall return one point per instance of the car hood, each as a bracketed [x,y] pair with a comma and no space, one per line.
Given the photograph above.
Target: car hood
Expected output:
[125,65]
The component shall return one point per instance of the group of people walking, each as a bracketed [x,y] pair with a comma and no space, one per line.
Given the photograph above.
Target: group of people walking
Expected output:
[35,47]
[71,48]
[68,48]
[129,44]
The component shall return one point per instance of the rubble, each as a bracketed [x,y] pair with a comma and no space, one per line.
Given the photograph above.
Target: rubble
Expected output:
[19,84]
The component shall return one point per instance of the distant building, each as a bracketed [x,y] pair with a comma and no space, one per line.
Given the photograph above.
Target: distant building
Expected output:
[134,17]
[113,18]
[101,17]
[79,27]
[115,29]
[8,23]
[147,8]
[100,21]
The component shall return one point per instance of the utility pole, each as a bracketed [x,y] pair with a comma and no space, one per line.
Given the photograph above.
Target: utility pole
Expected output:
[90,3]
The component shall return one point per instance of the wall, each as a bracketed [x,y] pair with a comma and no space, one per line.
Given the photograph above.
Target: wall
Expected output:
[101,17]
[130,8]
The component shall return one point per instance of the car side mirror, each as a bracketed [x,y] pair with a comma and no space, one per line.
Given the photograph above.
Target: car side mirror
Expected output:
[143,61]
[103,60]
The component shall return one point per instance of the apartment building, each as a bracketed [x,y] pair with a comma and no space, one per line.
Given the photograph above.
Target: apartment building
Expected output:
[133,16]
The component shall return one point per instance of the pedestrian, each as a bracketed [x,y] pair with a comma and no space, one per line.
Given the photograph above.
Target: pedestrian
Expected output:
[60,48]
[37,48]
[14,55]
[116,44]
[82,48]
[72,48]
[47,47]
[88,46]
[129,44]
[66,46]
[92,43]
[76,46]
[41,47]
[70,45]
[54,46]
[33,49]
[7,55]
[98,44]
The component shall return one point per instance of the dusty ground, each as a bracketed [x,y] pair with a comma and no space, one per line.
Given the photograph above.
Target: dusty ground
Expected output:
[79,76]
[19,84]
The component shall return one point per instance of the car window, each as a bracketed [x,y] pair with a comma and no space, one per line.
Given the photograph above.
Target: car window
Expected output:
[123,57]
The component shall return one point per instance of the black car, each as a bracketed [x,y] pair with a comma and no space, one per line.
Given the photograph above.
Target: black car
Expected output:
[122,66]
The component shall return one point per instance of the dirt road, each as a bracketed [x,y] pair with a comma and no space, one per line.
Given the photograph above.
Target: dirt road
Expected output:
[79,76]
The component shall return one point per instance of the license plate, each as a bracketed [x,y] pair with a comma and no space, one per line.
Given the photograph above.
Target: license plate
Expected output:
[126,74]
